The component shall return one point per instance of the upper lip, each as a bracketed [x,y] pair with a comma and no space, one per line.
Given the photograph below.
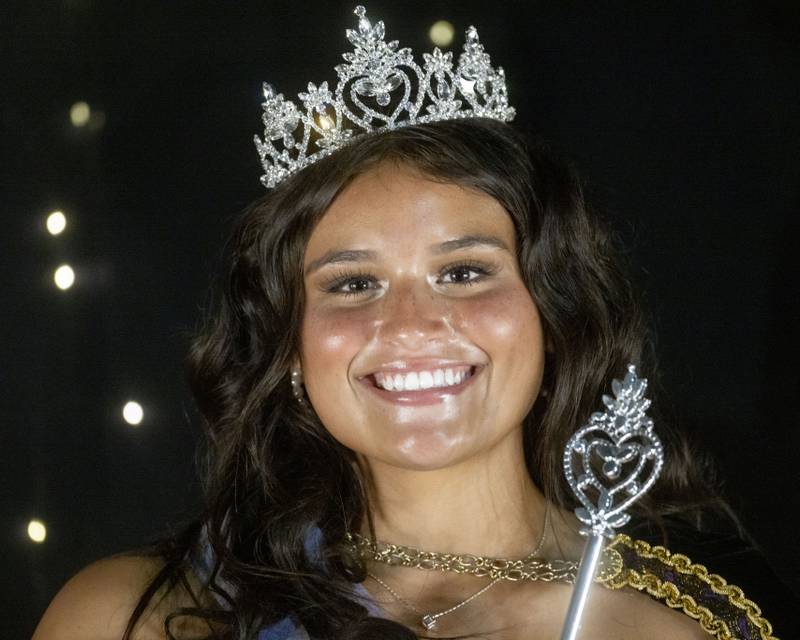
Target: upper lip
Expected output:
[407,365]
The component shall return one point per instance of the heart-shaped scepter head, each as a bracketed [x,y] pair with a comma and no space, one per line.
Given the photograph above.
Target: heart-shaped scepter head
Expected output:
[615,458]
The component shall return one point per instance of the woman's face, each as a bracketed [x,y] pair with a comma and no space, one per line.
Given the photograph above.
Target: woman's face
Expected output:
[418,282]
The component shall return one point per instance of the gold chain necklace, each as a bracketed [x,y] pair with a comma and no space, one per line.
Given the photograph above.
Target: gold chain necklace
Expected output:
[528,568]
[482,567]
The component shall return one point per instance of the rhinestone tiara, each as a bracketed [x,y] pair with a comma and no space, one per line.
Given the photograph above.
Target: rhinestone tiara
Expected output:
[374,71]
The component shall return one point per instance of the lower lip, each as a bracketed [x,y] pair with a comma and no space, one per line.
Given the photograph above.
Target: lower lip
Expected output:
[421,396]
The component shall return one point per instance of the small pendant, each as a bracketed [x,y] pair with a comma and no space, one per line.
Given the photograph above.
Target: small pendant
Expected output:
[429,622]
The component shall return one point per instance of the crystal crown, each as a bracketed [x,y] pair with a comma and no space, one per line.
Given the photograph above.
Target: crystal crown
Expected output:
[375,70]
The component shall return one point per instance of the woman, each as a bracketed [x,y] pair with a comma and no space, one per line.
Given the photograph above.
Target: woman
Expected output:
[409,331]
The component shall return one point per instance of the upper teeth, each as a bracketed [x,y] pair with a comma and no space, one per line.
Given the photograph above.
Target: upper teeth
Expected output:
[422,379]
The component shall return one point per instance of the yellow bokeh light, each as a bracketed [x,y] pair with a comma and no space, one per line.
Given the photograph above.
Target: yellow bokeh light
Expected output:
[56,222]
[37,531]
[132,413]
[325,122]
[79,114]
[64,277]
[441,33]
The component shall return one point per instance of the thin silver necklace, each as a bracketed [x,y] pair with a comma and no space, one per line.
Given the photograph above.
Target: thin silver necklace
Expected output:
[429,619]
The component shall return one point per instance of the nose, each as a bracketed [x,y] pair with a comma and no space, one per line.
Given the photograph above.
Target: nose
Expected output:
[413,315]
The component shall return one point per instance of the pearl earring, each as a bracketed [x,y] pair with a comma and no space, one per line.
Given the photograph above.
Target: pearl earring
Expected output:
[297,385]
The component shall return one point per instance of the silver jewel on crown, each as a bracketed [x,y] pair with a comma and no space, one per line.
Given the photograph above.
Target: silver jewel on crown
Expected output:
[375,70]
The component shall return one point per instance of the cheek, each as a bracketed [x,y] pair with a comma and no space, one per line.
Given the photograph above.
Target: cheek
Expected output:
[502,319]
[330,339]
[507,327]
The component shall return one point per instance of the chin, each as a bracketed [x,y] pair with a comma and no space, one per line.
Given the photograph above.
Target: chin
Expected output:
[426,451]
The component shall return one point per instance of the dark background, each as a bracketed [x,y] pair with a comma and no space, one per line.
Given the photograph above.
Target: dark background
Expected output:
[684,116]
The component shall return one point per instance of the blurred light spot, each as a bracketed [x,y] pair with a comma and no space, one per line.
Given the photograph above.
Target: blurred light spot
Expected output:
[132,412]
[56,222]
[441,33]
[37,531]
[325,122]
[79,114]
[64,277]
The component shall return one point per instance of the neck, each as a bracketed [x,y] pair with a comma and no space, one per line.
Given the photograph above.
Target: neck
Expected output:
[486,505]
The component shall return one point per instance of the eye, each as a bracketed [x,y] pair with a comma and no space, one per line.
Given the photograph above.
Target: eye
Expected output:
[349,283]
[464,269]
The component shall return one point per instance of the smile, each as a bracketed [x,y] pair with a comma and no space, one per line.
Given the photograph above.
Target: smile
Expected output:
[415,380]
[421,387]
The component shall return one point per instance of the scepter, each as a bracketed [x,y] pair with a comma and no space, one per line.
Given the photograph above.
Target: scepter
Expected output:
[609,464]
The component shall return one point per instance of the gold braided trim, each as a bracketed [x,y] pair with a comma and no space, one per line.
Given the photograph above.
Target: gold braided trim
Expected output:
[664,590]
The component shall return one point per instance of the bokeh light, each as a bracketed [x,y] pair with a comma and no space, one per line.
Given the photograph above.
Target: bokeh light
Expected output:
[441,33]
[79,114]
[132,412]
[37,531]
[64,277]
[56,222]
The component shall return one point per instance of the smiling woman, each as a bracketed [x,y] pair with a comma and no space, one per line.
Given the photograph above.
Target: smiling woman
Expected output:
[409,332]
[411,325]
[430,353]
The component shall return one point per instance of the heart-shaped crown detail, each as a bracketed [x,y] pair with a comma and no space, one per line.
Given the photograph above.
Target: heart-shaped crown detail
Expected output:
[615,458]
[376,70]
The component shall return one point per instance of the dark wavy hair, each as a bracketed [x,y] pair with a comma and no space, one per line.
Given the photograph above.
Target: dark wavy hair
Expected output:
[271,472]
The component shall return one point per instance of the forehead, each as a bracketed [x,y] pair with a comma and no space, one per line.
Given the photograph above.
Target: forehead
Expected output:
[395,207]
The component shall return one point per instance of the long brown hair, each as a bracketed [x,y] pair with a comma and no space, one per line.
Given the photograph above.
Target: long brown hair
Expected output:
[272,472]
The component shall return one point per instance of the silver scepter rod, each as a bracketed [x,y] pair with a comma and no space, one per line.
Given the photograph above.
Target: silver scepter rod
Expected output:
[580,593]
[622,443]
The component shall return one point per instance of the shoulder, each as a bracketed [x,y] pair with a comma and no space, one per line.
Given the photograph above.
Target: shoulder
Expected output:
[618,608]
[632,615]
[676,580]
[97,602]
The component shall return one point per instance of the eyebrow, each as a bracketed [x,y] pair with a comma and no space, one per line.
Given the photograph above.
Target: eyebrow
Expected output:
[365,255]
